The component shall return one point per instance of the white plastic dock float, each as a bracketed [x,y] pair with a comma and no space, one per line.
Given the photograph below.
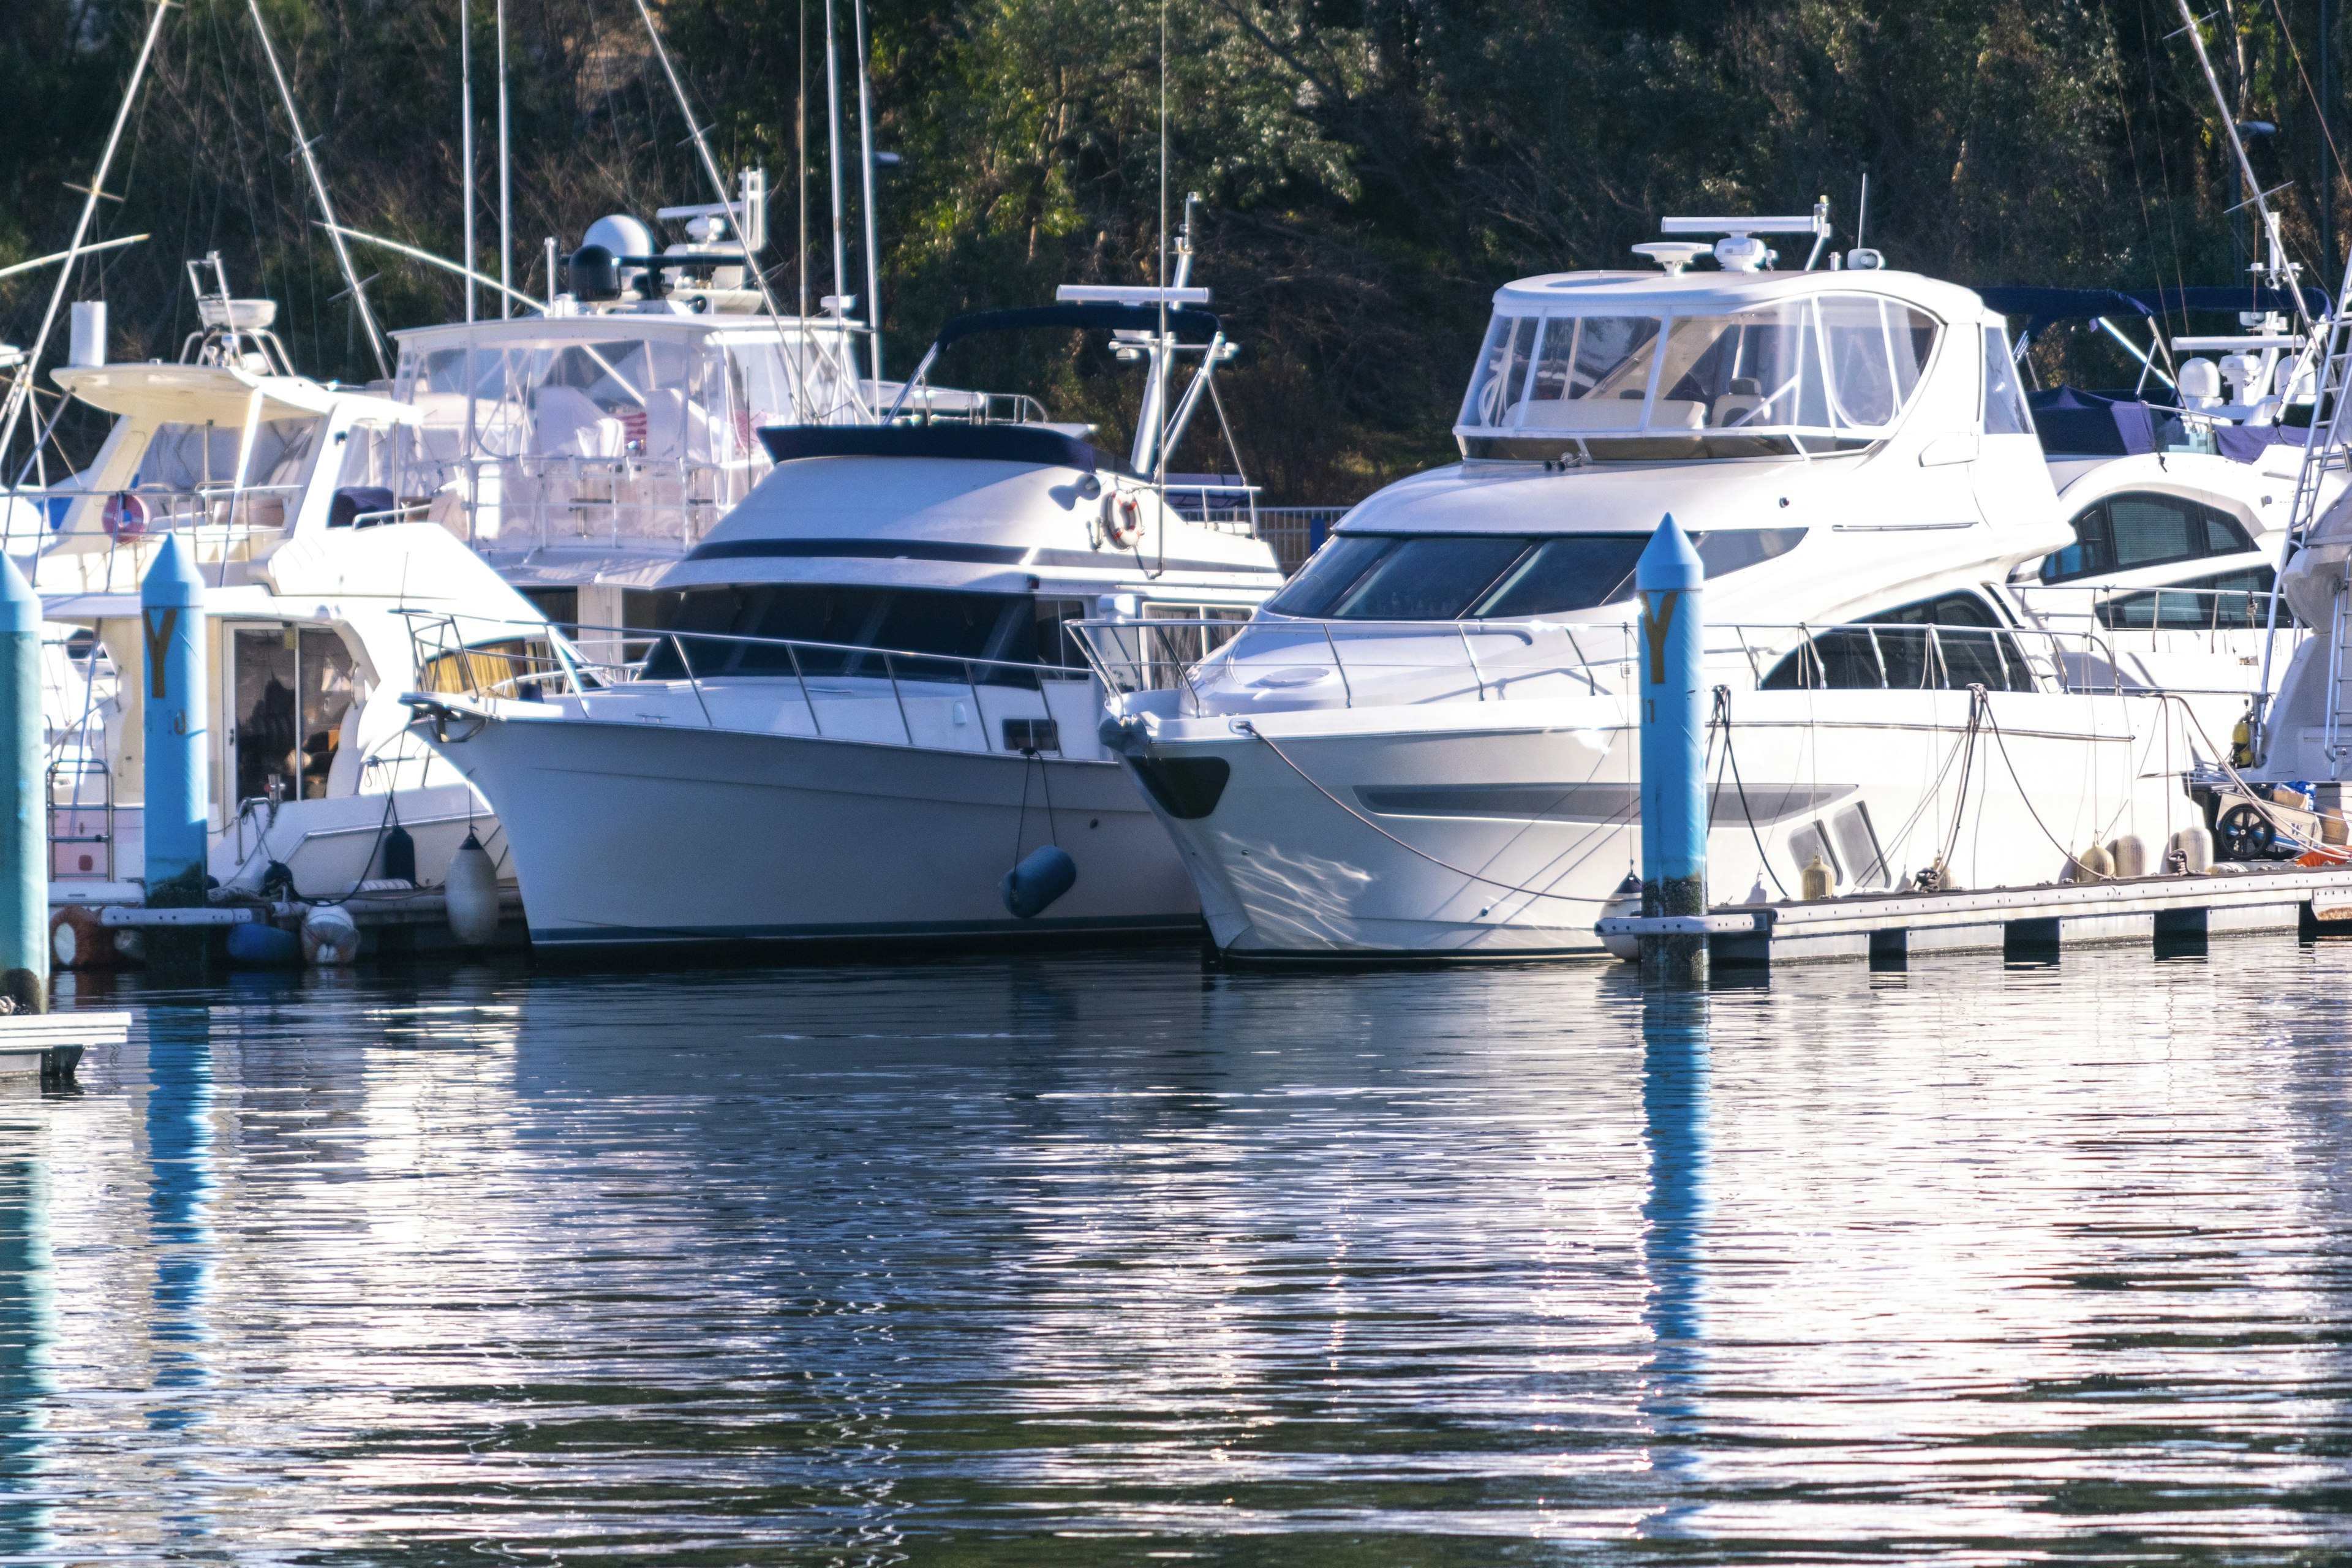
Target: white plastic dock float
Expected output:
[1886,928]
[51,1043]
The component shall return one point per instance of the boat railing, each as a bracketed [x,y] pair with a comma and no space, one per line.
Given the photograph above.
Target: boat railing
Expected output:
[524,504]
[1276,662]
[2168,609]
[841,686]
[136,511]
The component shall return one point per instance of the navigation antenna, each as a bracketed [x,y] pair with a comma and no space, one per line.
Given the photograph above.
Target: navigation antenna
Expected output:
[2322,453]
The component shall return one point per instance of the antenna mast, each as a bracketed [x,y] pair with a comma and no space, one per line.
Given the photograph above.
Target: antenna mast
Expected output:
[2280,271]
[318,190]
[506,183]
[466,142]
[21,389]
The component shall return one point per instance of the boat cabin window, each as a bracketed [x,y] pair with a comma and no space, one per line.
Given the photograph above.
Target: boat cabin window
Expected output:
[820,628]
[204,456]
[1821,373]
[1469,576]
[2124,533]
[293,685]
[1944,643]
[2005,410]
[2225,602]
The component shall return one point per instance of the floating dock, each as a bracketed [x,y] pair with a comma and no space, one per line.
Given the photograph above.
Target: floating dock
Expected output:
[1885,929]
[51,1043]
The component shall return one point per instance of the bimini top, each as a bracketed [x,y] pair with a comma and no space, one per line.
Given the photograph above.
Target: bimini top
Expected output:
[217,394]
[1641,366]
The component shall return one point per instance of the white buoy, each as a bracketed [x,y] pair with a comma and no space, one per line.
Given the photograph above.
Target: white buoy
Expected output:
[471,890]
[330,936]
[2129,853]
[1625,902]
[2195,847]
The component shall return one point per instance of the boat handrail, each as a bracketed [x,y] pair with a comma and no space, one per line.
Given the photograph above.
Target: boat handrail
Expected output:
[485,658]
[1383,663]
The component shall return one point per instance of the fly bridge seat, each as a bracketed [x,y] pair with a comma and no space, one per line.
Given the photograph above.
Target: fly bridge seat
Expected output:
[1745,397]
[1596,414]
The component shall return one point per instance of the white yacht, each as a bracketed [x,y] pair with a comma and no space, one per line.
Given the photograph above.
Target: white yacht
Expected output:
[868,709]
[265,477]
[1425,745]
[2180,489]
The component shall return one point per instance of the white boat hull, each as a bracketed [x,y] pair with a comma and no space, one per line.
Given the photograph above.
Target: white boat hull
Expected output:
[634,835]
[1466,838]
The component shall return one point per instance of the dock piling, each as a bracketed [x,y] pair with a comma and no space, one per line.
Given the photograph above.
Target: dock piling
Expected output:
[25,883]
[172,627]
[1670,581]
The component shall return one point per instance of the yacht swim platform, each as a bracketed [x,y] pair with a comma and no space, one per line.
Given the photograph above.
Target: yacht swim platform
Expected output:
[2169,911]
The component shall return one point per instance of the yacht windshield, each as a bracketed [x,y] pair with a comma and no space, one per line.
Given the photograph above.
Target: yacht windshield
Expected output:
[1819,373]
[754,630]
[1474,578]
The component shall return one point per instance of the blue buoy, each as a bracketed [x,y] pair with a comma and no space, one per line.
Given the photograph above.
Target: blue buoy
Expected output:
[179,799]
[1042,877]
[1670,580]
[24,825]
[399,856]
[263,946]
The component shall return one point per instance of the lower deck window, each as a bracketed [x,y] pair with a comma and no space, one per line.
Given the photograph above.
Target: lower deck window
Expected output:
[1945,644]
[784,629]
[2225,602]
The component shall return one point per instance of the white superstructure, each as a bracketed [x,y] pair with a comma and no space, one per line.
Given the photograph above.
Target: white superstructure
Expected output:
[1425,745]
[869,707]
[310,601]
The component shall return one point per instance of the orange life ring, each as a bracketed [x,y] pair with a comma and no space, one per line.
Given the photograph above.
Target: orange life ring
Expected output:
[1122,520]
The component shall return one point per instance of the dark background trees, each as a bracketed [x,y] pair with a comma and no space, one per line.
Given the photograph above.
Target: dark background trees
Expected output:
[1370,169]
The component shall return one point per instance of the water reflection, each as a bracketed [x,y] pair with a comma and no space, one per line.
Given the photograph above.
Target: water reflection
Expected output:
[1089,1258]
[1674,1070]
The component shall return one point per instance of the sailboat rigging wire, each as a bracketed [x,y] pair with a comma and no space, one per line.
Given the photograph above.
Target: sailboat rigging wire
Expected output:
[319,191]
[20,389]
[1723,707]
[506,180]
[2325,133]
[1246,728]
[719,185]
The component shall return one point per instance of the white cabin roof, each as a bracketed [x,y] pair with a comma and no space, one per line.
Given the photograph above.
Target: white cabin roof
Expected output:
[217,394]
[1652,293]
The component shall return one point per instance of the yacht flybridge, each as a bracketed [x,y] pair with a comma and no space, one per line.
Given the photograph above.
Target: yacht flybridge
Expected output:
[1425,744]
[268,483]
[869,710]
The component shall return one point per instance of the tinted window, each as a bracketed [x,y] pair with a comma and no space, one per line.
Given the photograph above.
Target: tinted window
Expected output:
[1429,579]
[2224,602]
[2004,407]
[1897,650]
[1331,572]
[1575,572]
[915,621]
[2140,528]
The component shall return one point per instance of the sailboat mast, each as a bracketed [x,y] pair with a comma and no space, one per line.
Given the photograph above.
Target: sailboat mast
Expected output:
[465,141]
[21,389]
[832,141]
[506,183]
[865,157]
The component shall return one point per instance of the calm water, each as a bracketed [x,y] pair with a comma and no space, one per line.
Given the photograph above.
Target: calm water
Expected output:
[1109,1259]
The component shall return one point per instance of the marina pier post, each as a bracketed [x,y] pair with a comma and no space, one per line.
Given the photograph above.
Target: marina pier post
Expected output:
[25,885]
[172,627]
[1670,581]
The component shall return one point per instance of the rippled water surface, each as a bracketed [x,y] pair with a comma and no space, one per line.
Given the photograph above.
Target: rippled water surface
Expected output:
[1109,1258]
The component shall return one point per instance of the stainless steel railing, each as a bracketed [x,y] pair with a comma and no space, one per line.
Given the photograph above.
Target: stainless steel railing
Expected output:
[533,661]
[1228,666]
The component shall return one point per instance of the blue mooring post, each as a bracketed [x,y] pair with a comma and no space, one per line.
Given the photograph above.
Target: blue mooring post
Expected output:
[1671,582]
[171,609]
[25,881]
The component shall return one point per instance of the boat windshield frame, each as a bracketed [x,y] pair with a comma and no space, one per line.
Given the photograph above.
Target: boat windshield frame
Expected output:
[1652,379]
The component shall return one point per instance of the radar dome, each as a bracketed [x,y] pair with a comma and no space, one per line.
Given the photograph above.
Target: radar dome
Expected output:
[621,235]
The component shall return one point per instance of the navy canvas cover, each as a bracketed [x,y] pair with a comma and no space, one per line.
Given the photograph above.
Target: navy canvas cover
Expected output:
[2079,423]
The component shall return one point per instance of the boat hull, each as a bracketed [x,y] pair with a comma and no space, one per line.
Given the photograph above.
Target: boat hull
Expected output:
[634,835]
[1504,833]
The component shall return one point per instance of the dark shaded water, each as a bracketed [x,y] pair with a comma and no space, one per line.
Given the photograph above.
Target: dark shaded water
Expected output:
[1106,1260]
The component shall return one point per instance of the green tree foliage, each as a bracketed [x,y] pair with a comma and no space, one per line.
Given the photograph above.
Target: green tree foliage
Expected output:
[1370,169]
